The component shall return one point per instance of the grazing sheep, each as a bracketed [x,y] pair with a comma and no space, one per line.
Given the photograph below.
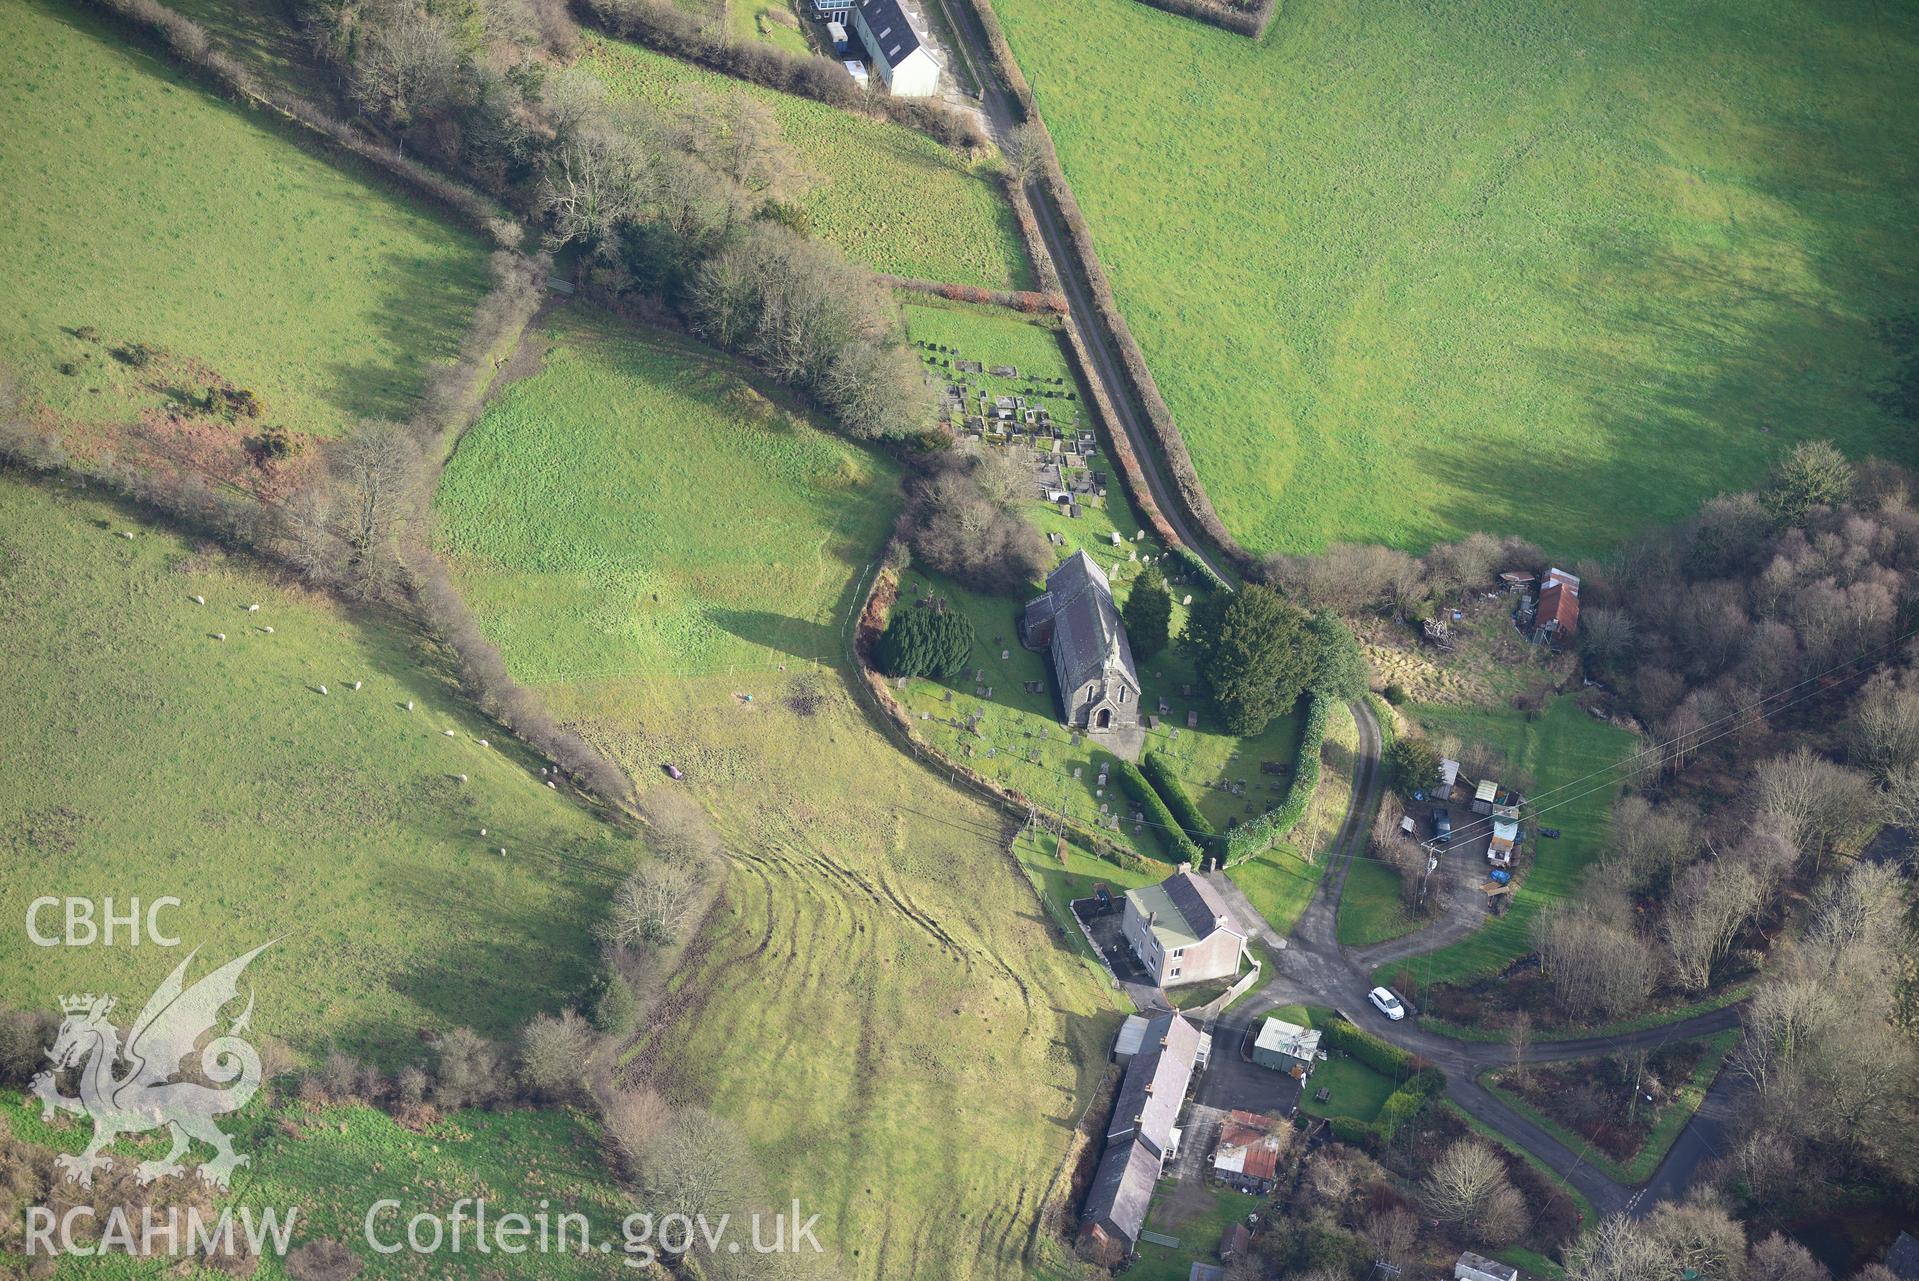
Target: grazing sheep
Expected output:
[503,851]
[483,831]
[356,684]
[323,689]
[449,733]
[484,743]
[550,783]
[461,777]
[199,600]
[409,704]
[126,533]
[253,609]
[266,631]
[219,636]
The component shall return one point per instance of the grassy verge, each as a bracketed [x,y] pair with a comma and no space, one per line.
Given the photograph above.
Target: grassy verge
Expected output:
[310,284]
[1659,1139]
[1562,746]
[1281,881]
[1546,1036]
[891,197]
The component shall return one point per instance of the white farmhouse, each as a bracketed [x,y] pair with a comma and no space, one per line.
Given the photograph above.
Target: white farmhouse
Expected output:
[901,55]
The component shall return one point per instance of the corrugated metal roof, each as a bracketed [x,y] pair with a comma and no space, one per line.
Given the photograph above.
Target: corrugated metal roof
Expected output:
[1280,1037]
[1488,788]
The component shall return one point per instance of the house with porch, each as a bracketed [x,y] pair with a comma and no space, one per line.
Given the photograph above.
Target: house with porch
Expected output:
[1140,1136]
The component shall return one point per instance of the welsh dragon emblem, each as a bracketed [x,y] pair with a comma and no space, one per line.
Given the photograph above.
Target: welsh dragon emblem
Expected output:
[147,1092]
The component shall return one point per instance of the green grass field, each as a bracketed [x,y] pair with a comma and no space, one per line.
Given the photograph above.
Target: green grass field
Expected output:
[879,974]
[772,21]
[636,506]
[1562,746]
[331,1164]
[145,758]
[1406,272]
[143,207]
[891,197]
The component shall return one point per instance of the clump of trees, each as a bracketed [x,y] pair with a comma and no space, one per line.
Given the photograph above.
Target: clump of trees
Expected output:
[1258,652]
[965,520]
[932,642]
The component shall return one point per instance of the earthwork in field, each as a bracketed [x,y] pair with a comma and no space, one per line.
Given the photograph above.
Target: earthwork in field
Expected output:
[877,976]
[1405,272]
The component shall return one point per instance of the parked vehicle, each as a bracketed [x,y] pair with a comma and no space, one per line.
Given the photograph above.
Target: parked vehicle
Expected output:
[1386,1003]
[1442,827]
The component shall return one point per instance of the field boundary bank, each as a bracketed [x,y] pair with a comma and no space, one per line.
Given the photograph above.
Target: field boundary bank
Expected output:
[1078,237]
[190,45]
[1253,22]
[1027,302]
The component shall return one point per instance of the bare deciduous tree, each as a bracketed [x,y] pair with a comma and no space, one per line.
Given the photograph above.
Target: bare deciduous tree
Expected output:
[1618,1249]
[1595,967]
[1779,1258]
[553,1053]
[1460,1186]
[1708,906]
[1816,803]
[649,908]
[698,1165]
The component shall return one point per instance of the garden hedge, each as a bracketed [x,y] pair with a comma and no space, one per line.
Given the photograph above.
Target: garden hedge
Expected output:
[1134,783]
[1159,772]
[1419,1088]
[1249,839]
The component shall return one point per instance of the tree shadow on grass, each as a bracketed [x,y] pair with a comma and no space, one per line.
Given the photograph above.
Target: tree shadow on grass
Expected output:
[421,321]
[795,637]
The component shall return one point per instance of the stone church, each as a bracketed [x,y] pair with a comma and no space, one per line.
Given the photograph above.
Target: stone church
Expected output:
[1078,625]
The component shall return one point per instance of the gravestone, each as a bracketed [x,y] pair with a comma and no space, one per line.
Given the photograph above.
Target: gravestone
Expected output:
[1192,719]
[1076,772]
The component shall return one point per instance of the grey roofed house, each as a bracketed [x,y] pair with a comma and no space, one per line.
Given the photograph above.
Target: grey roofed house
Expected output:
[1078,625]
[1140,1132]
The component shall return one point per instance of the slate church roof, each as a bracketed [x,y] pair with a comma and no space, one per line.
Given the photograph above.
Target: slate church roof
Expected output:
[1087,641]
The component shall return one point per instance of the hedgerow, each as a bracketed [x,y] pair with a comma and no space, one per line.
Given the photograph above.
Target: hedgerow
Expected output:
[1134,784]
[1249,839]
[1159,772]
[1423,1083]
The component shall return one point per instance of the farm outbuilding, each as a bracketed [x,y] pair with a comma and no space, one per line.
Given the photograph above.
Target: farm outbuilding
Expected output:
[1286,1047]
[1247,1158]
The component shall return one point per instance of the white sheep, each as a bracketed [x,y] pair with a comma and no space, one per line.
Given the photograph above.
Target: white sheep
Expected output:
[323,689]
[483,831]
[199,600]
[450,734]
[219,636]
[409,704]
[266,631]
[253,609]
[484,743]
[461,777]
[126,533]
[550,783]
[356,684]
[503,851]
